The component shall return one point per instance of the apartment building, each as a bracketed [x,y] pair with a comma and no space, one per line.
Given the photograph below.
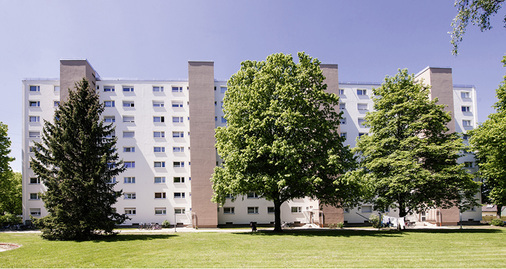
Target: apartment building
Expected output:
[165,131]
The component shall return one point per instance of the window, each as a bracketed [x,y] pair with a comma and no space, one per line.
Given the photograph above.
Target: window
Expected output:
[34,134]
[129,164]
[128,88]
[361,134]
[159,179]
[362,106]
[160,211]
[177,134]
[130,211]
[223,89]
[177,89]
[129,195]
[129,119]
[34,180]
[178,195]
[177,119]
[128,134]
[111,135]
[223,120]
[342,106]
[109,103]
[157,88]
[252,195]
[253,210]
[34,103]
[177,149]
[179,211]
[178,164]
[228,210]
[361,92]
[465,137]
[158,134]
[158,119]
[34,119]
[56,88]
[178,179]
[296,209]
[344,135]
[158,149]
[158,104]
[177,104]
[466,109]
[366,209]
[465,95]
[128,149]
[56,103]
[343,121]
[109,119]
[468,164]
[128,104]
[35,212]
[129,180]
[34,88]
[229,196]
[160,195]
[270,210]
[361,122]
[112,180]
[108,88]
[466,123]
[159,164]
[34,196]
[341,91]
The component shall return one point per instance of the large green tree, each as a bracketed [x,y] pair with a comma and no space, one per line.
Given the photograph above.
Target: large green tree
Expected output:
[76,161]
[410,159]
[9,189]
[281,138]
[478,12]
[489,144]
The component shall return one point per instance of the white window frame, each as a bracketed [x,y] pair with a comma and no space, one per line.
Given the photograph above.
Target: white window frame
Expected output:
[129,180]
[157,88]
[34,196]
[109,103]
[160,211]
[178,134]
[178,179]
[128,149]
[252,210]
[177,119]
[466,123]
[159,180]
[128,134]
[158,104]
[130,211]
[465,94]
[296,209]
[128,88]
[161,195]
[159,164]
[34,181]
[179,211]
[179,195]
[34,88]
[361,92]
[128,104]
[466,109]
[129,196]
[34,119]
[130,164]
[34,103]
[34,134]
[367,209]
[109,89]
[158,119]
[36,212]
[158,134]
[176,89]
[129,119]
[362,106]
[158,149]
[177,149]
[178,164]
[229,210]
[109,119]
[177,104]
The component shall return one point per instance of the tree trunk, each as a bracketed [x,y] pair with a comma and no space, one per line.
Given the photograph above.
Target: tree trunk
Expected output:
[277,216]
[499,209]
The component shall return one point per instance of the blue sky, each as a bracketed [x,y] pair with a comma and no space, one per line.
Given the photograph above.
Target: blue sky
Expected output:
[368,39]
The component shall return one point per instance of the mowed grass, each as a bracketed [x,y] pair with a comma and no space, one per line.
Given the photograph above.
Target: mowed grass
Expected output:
[294,248]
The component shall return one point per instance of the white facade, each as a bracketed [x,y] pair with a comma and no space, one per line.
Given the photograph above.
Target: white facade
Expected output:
[152,126]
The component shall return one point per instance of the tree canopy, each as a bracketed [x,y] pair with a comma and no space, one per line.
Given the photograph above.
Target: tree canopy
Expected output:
[76,161]
[10,187]
[410,159]
[281,140]
[489,144]
[478,12]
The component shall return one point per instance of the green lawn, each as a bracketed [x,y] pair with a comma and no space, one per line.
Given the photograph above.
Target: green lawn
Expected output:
[294,248]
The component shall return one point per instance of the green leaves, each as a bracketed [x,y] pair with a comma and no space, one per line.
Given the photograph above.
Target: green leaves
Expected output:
[410,160]
[281,137]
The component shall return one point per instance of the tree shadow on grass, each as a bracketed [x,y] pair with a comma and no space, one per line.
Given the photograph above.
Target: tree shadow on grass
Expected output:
[372,233]
[131,237]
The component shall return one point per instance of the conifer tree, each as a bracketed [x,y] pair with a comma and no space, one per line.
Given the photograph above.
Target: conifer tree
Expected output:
[9,192]
[77,160]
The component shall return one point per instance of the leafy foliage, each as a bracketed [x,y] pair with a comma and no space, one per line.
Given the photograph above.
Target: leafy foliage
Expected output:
[497,222]
[478,12]
[76,161]
[489,143]
[10,183]
[281,138]
[410,159]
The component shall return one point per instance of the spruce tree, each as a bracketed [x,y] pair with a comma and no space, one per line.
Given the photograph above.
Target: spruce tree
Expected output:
[77,160]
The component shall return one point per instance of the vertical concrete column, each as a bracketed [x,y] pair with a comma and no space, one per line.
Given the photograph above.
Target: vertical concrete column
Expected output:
[203,153]
[441,82]
[72,71]
[330,71]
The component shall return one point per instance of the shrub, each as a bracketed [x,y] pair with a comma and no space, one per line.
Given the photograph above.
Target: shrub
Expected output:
[340,225]
[375,221]
[165,224]
[9,219]
[497,222]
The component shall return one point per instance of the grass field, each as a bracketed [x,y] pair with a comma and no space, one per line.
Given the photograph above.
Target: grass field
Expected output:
[294,248]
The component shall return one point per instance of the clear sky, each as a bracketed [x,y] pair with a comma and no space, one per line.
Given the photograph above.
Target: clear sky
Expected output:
[368,39]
